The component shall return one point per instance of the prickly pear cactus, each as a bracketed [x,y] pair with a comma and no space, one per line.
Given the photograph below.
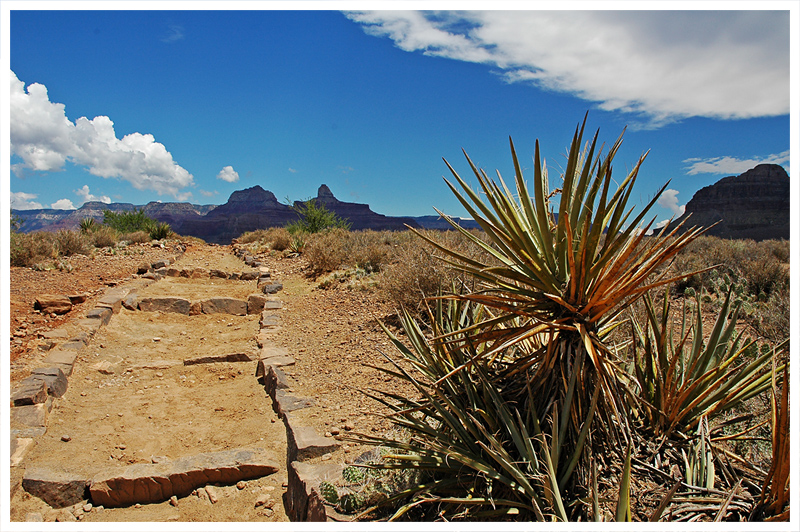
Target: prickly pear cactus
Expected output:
[329,492]
[353,475]
[350,502]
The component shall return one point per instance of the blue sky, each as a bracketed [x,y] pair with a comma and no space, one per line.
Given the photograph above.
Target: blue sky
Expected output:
[139,106]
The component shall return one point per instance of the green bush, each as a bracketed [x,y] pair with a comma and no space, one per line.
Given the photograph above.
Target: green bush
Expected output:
[134,221]
[314,218]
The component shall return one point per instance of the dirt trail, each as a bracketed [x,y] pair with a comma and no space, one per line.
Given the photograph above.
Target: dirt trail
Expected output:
[131,400]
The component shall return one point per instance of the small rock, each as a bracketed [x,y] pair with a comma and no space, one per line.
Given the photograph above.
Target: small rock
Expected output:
[213,494]
[87,507]
[158,459]
[265,500]
[156,339]
[84,394]
[326,456]
[65,516]
[66,437]
[137,505]
[122,446]
[328,435]
[349,426]
[159,374]
[173,500]
[335,431]
[241,484]
[267,512]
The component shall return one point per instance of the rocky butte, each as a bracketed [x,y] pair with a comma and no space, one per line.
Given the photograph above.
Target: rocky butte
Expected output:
[752,205]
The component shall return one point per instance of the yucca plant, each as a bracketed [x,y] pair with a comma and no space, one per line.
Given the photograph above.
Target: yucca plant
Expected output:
[685,375]
[481,460]
[559,281]
[773,505]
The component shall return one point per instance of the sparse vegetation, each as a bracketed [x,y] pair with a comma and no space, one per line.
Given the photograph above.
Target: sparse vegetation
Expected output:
[135,221]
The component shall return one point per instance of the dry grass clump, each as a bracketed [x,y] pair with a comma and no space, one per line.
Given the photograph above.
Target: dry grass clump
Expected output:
[27,249]
[69,243]
[104,236]
[277,238]
[137,237]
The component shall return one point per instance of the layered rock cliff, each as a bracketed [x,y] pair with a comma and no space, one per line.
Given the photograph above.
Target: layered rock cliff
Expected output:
[753,205]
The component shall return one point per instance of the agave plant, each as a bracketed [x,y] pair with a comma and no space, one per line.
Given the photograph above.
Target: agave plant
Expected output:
[557,282]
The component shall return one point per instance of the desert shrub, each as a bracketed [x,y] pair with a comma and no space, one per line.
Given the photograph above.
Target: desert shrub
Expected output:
[160,230]
[27,249]
[771,318]
[415,272]
[103,236]
[327,250]
[252,236]
[279,238]
[71,243]
[128,222]
[136,237]
[314,218]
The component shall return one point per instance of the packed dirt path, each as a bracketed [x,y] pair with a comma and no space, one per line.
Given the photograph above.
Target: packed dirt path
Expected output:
[131,400]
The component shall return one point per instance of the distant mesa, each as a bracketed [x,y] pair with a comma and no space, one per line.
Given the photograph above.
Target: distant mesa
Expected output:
[752,205]
[246,210]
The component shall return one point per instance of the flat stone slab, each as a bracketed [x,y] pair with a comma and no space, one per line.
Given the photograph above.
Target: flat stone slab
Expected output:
[262,368]
[53,303]
[269,319]
[304,443]
[248,276]
[272,288]
[102,314]
[54,378]
[57,488]
[273,304]
[63,359]
[225,305]
[303,499]
[275,380]
[283,402]
[212,359]
[29,392]
[34,416]
[55,334]
[19,448]
[165,304]
[255,303]
[112,301]
[150,483]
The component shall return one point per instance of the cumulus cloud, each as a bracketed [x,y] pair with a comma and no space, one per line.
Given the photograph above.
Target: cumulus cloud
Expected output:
[22,201]
[228,174]
[669,200]
[88,196]
[661,65]
[731,165]
[208,193]
[45,139]
[63,204]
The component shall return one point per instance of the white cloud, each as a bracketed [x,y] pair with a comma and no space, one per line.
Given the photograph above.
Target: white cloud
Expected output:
[665,65]
[292,170]
[658,226]
[175,33]
[63,204]
[44,138]
[228,174]
[88,196]
[669,200]
[208,193]
[731,165]
[22,201]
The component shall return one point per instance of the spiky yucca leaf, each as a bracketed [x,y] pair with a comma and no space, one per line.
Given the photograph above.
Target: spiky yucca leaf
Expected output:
[684,376]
